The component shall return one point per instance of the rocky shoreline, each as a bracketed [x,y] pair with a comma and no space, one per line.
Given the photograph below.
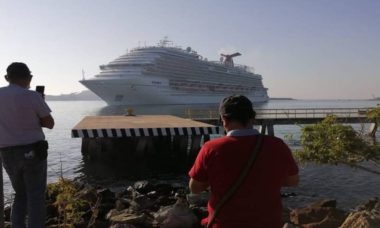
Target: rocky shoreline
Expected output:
[160,204]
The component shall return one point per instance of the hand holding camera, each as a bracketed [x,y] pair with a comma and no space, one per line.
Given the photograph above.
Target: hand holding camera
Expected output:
[41,90]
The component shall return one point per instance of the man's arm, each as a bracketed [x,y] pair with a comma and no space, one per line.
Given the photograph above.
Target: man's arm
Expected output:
[47,122]
[291,181]
[197,187]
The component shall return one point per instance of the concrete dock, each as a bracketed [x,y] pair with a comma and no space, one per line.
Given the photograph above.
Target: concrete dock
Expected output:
[144,125]
[147,140]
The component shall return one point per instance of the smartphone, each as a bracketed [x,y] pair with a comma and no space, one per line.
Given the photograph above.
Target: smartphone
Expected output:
[40,89]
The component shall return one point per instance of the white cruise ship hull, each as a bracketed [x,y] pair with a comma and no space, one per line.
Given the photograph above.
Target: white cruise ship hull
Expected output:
[137,91]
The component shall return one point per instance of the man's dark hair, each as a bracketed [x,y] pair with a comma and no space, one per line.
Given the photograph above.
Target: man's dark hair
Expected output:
[18,70]
[237,108]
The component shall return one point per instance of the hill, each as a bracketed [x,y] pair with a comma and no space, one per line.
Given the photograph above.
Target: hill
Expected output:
[85,95]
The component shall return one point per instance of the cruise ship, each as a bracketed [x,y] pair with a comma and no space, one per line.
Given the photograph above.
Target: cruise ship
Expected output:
[167,74]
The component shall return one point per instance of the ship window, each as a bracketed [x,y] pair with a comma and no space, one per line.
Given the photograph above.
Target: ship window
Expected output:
[119,97]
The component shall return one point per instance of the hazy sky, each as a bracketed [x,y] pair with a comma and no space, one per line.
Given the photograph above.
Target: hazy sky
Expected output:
[311,49]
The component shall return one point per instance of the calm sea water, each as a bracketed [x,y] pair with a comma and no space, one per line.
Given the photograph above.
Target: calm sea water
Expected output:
[349,186]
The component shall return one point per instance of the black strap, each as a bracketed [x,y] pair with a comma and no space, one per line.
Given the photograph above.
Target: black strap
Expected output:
[232,189]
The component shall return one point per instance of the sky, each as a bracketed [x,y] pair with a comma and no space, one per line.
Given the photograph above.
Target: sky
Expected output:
[304,49]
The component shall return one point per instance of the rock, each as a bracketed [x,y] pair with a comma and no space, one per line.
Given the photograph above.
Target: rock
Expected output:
[288,194]
[366,216]
[121,204]
[152,194]
[165,201]
[104,209]
[199,200]
[177,215]
[318,214]
[102,224]
[114,212]
[286,215]
[143,187]
[133,219]
[371,205]
[330,221]
[324,203]
[123,226]
[7,213]
[106,194]
[164,189]
[144,202]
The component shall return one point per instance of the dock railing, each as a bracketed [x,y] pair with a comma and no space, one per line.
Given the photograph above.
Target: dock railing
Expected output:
[295,113]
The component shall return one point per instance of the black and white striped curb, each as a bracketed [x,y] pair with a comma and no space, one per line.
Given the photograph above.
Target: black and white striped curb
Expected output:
[138,132]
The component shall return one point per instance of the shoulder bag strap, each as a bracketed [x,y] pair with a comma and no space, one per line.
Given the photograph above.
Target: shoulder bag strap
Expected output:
[232,189]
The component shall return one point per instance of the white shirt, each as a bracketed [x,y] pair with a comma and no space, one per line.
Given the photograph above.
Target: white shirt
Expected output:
[243,132]
[20,113]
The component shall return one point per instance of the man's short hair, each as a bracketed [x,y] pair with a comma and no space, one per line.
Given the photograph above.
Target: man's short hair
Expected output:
[18,70]
[237,108]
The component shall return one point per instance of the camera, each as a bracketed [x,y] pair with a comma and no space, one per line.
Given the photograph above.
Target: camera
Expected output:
[41,90]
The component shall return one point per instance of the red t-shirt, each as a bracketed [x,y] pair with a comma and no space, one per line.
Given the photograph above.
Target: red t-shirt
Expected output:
[257,202]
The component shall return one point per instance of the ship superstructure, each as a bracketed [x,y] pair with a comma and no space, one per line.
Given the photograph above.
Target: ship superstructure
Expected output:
[165,74]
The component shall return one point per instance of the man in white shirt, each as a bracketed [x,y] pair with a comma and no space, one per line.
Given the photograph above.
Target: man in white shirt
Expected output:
[23,147]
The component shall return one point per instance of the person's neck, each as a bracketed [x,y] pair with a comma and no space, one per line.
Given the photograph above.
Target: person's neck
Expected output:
[20,84]
[238,127]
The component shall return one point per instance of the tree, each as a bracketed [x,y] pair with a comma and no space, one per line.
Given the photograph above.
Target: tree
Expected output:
[330,142]
[374,114]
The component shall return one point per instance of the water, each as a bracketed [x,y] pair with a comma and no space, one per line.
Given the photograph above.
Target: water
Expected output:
[347,185]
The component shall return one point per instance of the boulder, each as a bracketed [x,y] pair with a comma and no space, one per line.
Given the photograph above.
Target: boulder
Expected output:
[125,217]
[106,195]
[7,213]
[324,203]
[366,215]
[177,215]
[144,202]
[129,218]
[143,186]
[123,226]
[319,214]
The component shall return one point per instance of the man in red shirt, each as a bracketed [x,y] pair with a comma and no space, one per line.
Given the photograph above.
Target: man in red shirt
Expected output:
[257,202]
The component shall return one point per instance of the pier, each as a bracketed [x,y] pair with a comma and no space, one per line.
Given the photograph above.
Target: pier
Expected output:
[173,142]
[268,118]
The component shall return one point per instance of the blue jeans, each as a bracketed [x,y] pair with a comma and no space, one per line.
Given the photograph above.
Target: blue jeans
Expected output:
[28,177]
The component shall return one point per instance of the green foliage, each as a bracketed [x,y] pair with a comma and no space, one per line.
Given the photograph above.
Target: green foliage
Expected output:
[333,143]
[374,114]
[68,203]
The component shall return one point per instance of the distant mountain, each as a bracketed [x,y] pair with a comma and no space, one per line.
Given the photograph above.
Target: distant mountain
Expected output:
[281,98]
[85,95]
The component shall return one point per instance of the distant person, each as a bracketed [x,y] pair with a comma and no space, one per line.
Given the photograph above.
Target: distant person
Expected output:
[257,202]
[23,147]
